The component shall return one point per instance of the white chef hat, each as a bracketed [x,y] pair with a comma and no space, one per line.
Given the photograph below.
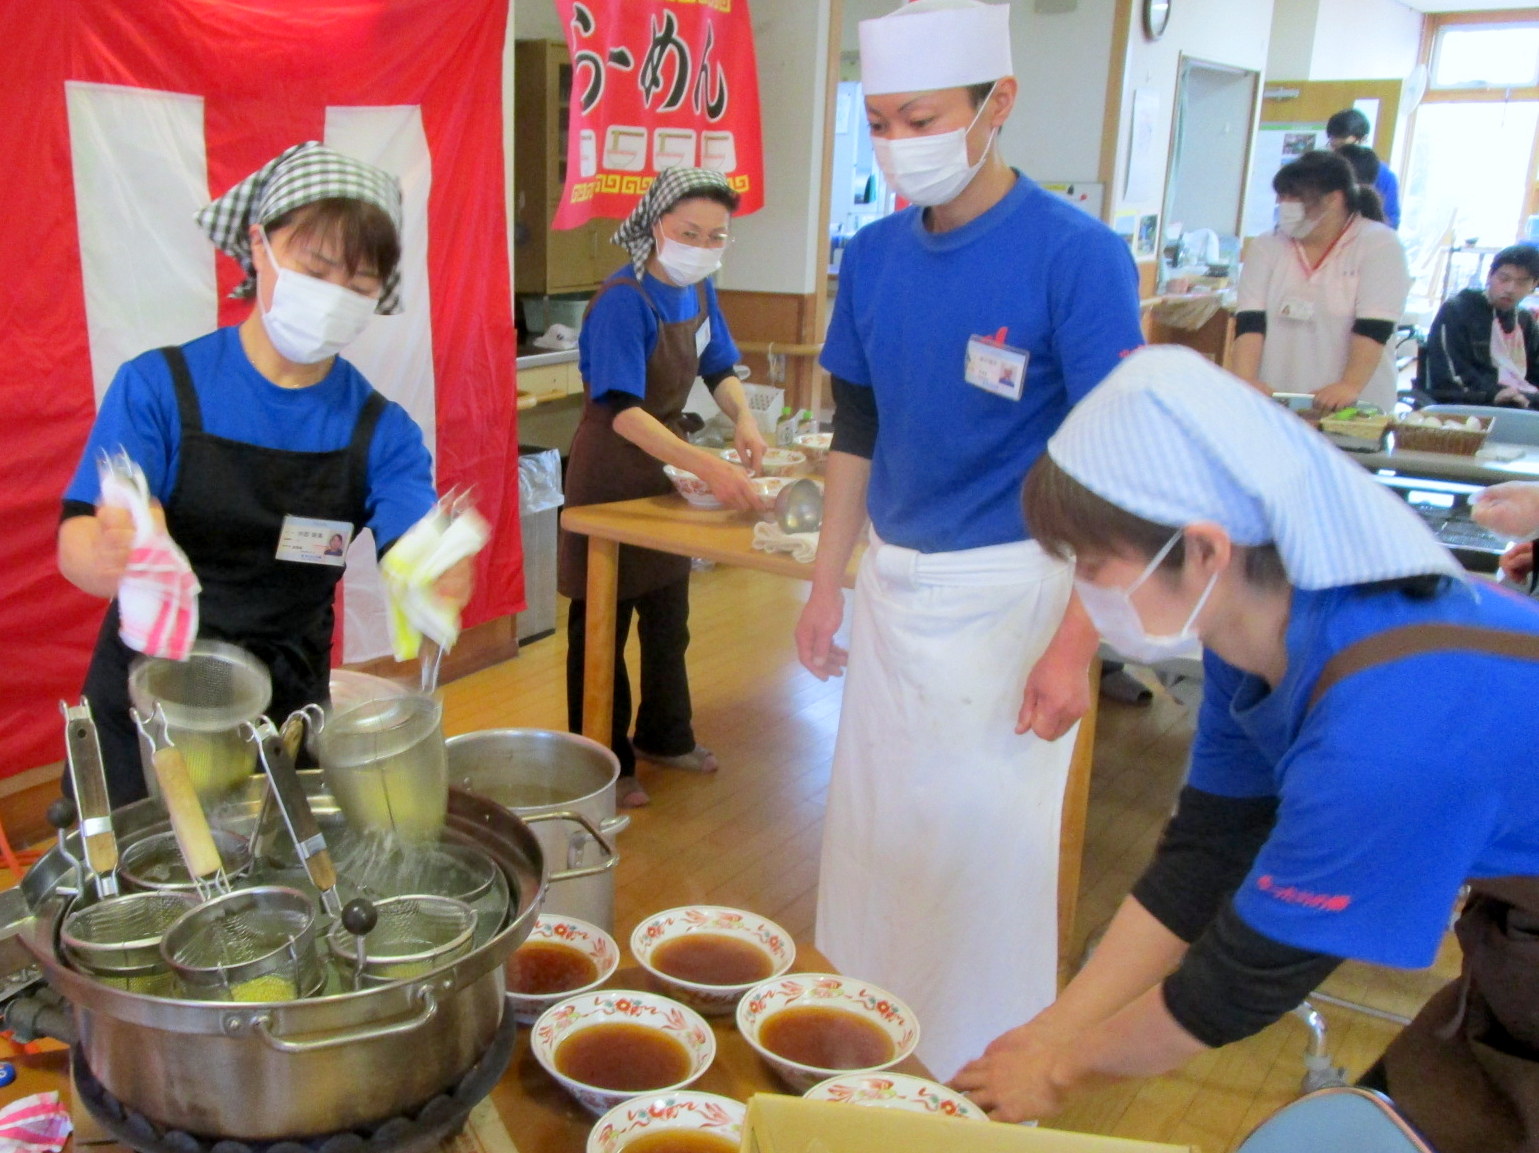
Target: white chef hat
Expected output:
[931,44]
[1173,438]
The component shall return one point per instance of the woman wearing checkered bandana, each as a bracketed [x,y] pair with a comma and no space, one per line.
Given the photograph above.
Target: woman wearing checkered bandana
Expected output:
[259,442]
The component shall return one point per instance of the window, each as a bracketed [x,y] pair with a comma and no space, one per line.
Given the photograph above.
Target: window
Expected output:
[1486,56]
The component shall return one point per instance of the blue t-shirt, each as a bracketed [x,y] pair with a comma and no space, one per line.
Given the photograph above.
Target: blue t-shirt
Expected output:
[1388,188]
[949,459]
[1405,780]
[619,334]
[140,414]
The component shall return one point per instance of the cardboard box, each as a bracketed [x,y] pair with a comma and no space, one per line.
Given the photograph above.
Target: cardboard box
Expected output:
[779,1124]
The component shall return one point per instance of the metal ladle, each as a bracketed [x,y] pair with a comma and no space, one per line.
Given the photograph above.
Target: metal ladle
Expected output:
[799,507]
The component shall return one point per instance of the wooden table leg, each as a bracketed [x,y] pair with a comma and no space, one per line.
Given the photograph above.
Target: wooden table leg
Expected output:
[1076,802]
[598,668]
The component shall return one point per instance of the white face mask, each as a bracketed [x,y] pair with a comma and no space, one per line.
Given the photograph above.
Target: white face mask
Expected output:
[311,319]
[685,263]
[1292,220]
[931,170]
[1116,618]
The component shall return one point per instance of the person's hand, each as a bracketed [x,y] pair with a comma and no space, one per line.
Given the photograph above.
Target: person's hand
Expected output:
[729,483]
[1335,397]
[114,542]
[815,629]
[1518,562]
[457,584]
[1510,509]
[1057,694]
[1511,397]
[749,442]
[1013,1080]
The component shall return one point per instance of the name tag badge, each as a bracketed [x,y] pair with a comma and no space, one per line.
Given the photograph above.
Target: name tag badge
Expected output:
[1297,310]
[702,336]
[306,540]
[995,367]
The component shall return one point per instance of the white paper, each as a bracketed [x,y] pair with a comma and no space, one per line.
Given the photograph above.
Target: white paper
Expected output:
[1143,187]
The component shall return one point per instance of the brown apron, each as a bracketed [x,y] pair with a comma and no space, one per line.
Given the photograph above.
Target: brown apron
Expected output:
[604,466]
[1466,1070]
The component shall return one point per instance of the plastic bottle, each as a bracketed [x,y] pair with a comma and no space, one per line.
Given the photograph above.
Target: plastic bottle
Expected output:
[785,428]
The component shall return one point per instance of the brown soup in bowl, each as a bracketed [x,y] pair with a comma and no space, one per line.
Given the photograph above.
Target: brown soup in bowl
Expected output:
[822,1037]
[541,968]
[713,959]
[623,1057]
[681,1141]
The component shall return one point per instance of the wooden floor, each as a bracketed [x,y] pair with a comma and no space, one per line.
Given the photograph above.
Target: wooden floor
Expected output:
[748,836]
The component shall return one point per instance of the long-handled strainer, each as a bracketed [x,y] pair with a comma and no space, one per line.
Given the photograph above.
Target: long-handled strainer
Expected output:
[411,936]
[287,792]
[84,750]
[254,944]
[188,822]
[118,940]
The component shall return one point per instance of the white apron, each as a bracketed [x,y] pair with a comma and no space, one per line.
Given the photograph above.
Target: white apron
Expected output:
[939,877]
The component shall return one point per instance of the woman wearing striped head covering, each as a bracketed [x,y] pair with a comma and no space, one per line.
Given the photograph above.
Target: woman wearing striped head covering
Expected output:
[649,332]
[260,442]
[1363,750]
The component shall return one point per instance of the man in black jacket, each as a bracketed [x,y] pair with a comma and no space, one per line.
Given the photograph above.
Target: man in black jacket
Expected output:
[1483,348]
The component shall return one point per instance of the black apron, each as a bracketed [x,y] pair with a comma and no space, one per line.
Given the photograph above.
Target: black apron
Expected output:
[1466,1070]
[605,467]
[226,512]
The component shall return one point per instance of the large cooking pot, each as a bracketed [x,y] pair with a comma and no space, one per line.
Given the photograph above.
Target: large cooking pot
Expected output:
[296,1068]
[551,779]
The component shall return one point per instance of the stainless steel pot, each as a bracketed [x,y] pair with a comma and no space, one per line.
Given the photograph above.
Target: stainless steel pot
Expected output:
[538,773]
[295,1068]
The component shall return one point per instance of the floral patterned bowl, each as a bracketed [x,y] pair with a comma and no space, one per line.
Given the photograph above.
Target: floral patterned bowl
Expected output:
[714,1000]
[831,991]
[668,1112]
[691,487]
[815,446]
[774,462]
[895,1091]
[617,1006]
[595,944]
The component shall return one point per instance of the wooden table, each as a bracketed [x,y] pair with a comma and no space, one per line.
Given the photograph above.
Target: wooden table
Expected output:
[543,1118]
[669,524]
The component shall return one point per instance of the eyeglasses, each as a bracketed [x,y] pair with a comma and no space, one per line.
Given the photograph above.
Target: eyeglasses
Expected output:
[697,239]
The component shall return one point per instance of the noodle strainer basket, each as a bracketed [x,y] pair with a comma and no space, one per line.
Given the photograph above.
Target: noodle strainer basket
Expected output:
[410,937]
[118,940]
[254,944]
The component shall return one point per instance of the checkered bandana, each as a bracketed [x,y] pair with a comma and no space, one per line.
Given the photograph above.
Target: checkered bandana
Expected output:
[671,186]
[300,175]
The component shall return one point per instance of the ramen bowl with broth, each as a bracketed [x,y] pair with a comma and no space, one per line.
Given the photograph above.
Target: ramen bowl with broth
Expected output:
[708,956]
[607,1047]
[812,1026]
[560,958]
[895,1091]
[685,1122]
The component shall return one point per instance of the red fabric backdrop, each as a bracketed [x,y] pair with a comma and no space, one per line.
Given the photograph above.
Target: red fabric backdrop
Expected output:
[267,70]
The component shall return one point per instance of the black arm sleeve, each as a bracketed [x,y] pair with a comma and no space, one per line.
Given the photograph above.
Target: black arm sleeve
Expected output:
[76,508]
[1251,320]
[620,401]
[716,378]
[1235,981]
[1378,331]
[854,419]
[1202,857]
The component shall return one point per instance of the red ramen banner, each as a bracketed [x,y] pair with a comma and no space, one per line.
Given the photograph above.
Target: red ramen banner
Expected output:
[655,84]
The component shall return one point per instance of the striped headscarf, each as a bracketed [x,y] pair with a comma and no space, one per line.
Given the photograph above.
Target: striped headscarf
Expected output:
[671,186]
[1171,437]
[299,176]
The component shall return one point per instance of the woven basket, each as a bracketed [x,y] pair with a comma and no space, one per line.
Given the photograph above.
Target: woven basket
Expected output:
[1358,434]
[1454,441]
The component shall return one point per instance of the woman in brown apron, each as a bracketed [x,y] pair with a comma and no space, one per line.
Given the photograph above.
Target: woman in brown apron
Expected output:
[1362,752]
[649,332]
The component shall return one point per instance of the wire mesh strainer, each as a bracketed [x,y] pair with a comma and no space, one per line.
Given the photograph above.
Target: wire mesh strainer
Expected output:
[155,861]
[413,935]
[254,944]
[118,940]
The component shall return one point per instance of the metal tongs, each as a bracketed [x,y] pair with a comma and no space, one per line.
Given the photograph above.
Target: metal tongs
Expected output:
[89,778]
[188,821]
[288,795]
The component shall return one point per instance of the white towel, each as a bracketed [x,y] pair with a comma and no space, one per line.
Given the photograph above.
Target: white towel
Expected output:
[770,537]
[158,591]
[426,551]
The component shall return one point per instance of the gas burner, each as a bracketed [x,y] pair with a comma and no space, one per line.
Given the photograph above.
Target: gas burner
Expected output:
[419,1131]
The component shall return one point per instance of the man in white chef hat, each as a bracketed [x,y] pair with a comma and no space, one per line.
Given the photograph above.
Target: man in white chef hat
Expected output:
[965,328]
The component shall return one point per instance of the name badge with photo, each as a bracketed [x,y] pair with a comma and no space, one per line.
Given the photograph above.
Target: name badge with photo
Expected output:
[307,540]
[994,366]
[702,336]
[1297,310]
